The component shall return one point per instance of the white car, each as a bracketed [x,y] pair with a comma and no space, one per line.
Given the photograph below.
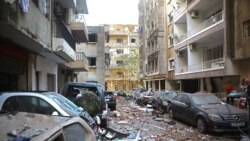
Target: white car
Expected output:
[47,103]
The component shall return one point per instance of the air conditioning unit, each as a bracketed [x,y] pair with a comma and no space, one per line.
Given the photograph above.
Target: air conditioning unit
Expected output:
[193,46]
[58,9]
[194,14]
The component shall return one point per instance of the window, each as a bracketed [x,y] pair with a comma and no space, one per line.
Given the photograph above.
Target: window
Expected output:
[120,74]
[186,99]
[119,40]
[170,17]
[28,104]
[213,53]
[92,37]
[92,61]
[246,29]
[171,40]
[171,64]
[74,132]
[43,6]
[178,98]
[119,51]
[133,51]
[133,40]
[119,63]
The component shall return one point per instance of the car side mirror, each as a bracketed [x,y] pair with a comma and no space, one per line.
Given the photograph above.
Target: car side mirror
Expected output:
[55,113]
[81,109]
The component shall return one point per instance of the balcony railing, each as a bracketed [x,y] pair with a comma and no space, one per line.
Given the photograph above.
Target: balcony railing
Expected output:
[206,65]
[207,23]
[118,32]
[82,57]
[117,44]
[61,31]
[78,18]
[179,38]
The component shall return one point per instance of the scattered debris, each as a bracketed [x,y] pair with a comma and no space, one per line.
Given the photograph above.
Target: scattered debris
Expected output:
[133,123]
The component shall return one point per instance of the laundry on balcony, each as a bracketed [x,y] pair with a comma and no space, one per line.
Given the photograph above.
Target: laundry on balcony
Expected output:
[24,5]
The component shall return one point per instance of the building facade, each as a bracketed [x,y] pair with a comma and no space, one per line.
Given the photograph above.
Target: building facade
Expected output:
[241,37]
[37,41]
[152,43]
[95,53]
[122,70]
[206,43]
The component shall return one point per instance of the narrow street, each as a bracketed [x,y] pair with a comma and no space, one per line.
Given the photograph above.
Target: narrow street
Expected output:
[152,126]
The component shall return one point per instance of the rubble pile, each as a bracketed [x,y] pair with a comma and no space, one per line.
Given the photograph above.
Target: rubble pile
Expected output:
[134,123]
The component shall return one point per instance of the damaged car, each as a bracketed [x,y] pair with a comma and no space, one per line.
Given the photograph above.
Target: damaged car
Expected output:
[22,126]
[110,99]
[208,113]
[46,103]
[161,100]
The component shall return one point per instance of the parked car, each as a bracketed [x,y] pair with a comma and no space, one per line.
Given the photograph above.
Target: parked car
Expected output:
[162,98]
[47,103]
[208,113]
[72,89]
[110,99]
[121,93]
[144,97]
[36,127]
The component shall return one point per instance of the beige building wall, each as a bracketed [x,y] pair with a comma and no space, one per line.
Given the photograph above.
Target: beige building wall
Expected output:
[241,36]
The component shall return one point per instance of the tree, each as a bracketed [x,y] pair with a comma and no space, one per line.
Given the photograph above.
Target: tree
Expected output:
[131,67]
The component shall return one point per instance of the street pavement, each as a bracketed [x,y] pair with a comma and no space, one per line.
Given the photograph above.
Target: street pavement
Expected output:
[134,122]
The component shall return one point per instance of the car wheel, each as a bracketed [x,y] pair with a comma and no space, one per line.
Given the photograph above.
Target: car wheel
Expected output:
[171,114]
[201,125]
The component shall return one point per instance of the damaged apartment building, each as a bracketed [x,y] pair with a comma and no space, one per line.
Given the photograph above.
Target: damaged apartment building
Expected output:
[38,43]
[206,44]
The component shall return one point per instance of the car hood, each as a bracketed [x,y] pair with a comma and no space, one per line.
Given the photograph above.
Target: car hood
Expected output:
[221,109]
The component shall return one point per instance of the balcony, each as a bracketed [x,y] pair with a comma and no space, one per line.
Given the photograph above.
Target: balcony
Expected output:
[67,3]
[207,23]
[203,66]
[79,28]
[81,63]
[118,32]
[81,7]
[21,28]
[63,42]
[117,45]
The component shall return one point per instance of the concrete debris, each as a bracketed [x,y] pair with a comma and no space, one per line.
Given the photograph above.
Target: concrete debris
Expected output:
[133,123]
[123,122]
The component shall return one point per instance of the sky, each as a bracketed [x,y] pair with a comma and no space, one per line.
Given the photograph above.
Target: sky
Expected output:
[112,12]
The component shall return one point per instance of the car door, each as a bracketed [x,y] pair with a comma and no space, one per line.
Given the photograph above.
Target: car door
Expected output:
[188,111]
[177,105]
[30,104]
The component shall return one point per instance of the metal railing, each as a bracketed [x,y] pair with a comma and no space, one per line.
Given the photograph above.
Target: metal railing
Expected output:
[61,31]
[82,57]
[206,65]
[207,23]
[78,18]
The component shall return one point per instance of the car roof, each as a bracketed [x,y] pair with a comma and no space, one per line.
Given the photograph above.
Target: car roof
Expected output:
[89,84]
[49,127]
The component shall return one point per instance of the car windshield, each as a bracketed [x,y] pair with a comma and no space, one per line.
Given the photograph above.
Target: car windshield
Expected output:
[205,99]
[68,106]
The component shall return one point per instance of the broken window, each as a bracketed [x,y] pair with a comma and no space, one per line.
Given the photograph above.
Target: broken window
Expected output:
[92,37]
[92,61]
[246,29]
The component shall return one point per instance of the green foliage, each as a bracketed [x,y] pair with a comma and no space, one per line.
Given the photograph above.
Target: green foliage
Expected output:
[131,65]
[90,102]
